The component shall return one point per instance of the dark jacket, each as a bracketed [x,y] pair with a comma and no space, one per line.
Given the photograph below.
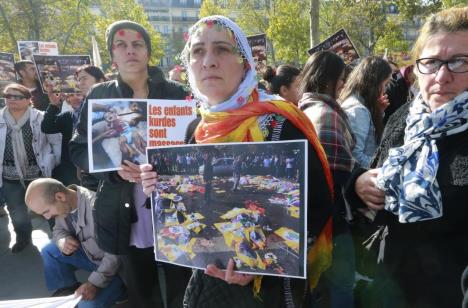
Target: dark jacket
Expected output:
[205,291]
[114,208]
[56,122]
[423,261]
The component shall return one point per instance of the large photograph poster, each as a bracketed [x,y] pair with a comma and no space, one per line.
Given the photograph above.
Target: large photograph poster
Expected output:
[7,69]
[59,71]
[258,43]
[121,129]
[339,43]
[27,49]
[244,201]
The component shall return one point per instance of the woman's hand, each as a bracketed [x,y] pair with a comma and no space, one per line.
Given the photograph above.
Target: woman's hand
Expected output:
[383,103]
[229,275]
[130,172]
[149,178]
[366,189]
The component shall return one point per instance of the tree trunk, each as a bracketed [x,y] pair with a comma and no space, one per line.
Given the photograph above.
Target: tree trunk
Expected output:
[314,22]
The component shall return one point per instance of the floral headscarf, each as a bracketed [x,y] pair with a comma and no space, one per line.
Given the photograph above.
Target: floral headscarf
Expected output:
[248,84]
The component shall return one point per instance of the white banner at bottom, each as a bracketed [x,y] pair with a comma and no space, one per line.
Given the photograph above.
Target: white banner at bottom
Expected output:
[47,302]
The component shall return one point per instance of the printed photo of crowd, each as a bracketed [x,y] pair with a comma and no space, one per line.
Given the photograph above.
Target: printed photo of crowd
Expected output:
[240,201]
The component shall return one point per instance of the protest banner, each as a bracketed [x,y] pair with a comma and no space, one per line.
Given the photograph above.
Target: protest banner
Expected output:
[216,202]
[121,129]
[59,71]
[27,49]
[258,43]
[7,69]
[339,43]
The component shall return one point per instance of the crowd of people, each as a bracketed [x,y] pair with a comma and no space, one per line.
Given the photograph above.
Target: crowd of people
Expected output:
[387,166]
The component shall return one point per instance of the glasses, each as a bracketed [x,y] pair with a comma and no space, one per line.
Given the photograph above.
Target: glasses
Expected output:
[433,65]
[14,97]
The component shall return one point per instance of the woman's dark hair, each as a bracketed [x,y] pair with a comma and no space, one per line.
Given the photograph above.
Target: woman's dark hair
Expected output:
[365,80]
[321,73]
[18,88]
[94,71]
[283,76]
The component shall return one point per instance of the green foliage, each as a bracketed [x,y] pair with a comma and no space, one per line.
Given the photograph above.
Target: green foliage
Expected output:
[289,30]
[211,7]
[392,38]
[70,23]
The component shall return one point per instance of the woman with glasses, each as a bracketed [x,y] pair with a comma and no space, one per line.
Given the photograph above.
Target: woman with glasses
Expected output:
[420,189]
[25,154]
[65,122]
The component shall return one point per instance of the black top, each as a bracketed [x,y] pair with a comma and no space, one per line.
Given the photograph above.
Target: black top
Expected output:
[426,259]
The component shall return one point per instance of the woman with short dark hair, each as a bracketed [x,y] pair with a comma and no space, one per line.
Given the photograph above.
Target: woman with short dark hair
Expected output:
[25,155]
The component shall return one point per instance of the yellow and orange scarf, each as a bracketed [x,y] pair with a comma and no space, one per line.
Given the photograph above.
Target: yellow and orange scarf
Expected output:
[241,125]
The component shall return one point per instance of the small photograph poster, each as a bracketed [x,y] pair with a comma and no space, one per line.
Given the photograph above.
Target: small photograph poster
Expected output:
[27,49]
[7,69]
[240,201]
[339,43]
[258,43]
[121,129]
[59,71]
[2,103]
[116,132]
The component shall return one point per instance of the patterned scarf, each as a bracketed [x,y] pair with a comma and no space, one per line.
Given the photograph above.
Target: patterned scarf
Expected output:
[408,176]
[241,125]
[17,142]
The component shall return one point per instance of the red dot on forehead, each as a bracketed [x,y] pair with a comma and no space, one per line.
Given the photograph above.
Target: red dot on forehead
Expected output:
[121,33]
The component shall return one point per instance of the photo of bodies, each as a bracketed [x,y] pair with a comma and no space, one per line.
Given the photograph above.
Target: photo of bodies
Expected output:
[339,43]
[59,71]
[118,133]
[7,69]
[243,201]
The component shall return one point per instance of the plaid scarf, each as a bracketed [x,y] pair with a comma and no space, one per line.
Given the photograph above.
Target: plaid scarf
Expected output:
[408,176]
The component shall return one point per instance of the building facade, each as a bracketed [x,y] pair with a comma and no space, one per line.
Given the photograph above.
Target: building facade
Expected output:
[172,18]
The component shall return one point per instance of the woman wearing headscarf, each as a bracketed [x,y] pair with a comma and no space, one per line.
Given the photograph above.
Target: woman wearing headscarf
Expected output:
[421,187]
[222,77]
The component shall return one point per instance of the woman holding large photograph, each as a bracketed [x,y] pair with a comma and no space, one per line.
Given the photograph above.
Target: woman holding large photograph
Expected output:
[222,77]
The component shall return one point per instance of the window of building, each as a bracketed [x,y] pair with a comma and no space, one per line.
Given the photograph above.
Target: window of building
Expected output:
[197,2]
[184,2]
[165,29]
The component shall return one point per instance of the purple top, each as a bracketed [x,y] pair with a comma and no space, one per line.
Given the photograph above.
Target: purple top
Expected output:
[141,234]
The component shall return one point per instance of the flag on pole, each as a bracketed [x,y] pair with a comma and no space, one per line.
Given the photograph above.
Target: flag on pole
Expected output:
[96,56]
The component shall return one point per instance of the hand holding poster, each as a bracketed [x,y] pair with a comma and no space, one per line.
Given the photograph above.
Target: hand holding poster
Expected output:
[121,129]
[27,49]
[339,43]
[240,201]
[7,69]
[59,71]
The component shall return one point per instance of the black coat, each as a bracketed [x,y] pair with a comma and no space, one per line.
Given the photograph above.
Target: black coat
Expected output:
[424,260]
[56,122]
[114,208]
